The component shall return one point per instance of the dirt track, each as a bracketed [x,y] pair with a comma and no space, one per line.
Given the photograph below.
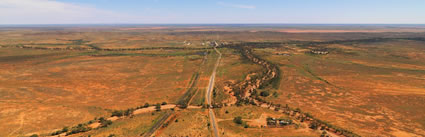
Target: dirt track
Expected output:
[209,93]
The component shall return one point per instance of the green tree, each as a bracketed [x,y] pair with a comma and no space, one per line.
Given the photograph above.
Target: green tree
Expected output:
[65,129]
[238,120]
[146,105]
[117,113]
[34,135]
[265,93]
[158,107]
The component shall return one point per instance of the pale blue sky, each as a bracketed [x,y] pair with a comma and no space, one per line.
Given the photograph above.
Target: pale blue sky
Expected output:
[212,11]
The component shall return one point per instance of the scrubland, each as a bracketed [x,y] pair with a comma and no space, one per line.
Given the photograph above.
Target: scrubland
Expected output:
[370,82]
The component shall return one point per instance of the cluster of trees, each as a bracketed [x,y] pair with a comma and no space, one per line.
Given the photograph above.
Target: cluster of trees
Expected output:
[82,127]
[246,53]
[256,44]
[154,48]
[104,123]
[315,123]
[158,107]
[64,130]
[78,41]
[322,125]
[144,106]
[78,129]
[120,113]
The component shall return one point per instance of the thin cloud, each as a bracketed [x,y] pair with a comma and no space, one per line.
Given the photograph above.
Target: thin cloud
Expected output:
[53,12]
[241,6]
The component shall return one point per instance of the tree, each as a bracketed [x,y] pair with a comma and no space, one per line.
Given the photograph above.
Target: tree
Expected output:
[101,119]
[164,103]
[129,112]
[34,135]
[158,107]
[65,129]
[238,120]
[105,123]
[117,113]
[146,105]
[265,93]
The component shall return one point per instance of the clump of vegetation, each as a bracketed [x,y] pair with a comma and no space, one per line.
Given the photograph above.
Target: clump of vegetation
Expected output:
[158,107]
[64,130]
[120,113]
[104,123]
[117,113]
[265,93]
[238,120]
[83,127]
[78,129]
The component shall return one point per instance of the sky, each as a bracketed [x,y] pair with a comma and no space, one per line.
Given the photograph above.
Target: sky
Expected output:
[212,11]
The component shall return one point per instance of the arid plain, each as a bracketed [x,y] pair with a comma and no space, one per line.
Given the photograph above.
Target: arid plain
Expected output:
[269,80]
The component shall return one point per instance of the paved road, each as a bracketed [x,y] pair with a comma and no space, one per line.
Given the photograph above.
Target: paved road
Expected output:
[209,93]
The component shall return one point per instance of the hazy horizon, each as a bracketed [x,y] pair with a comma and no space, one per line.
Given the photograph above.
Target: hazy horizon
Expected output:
[36,12]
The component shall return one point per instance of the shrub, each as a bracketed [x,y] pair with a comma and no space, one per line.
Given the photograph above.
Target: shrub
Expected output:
[158,107]
[78,129]
[146,105]
[117,113]
[105,123]
[101,119]
[264,93]
[164,103]
[238,120]
[128,112]
[65,129]
[34,135]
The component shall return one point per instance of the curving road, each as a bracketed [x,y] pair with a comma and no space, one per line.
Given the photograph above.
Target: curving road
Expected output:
[209,93]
